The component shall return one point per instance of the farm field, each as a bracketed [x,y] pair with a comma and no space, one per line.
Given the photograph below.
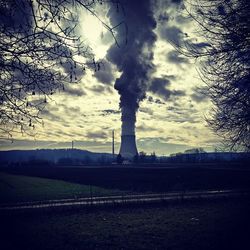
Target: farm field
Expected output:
[143,180]
[19,188]
[223,224]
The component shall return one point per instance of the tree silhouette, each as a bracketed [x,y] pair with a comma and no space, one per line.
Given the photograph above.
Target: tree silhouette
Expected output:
[225,69]
[40,52]
[119,159]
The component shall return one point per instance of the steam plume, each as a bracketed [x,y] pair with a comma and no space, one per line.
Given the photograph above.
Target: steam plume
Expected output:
[134,59]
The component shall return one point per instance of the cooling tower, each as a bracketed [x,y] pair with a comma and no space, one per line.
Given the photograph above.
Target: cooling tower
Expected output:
[128,146]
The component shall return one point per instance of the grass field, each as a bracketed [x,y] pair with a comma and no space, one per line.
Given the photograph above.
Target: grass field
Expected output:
[209,225]
[18,188]
[150,179]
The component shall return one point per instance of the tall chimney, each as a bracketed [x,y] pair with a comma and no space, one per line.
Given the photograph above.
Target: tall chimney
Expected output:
[128,147]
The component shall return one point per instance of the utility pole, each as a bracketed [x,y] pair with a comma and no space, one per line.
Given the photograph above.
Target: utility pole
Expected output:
[113,143]
[72,144]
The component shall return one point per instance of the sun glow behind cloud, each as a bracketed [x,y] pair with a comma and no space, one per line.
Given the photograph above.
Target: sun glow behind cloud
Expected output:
[93,31]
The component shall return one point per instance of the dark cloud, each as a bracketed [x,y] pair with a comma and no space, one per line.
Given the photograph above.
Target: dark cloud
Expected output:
[69,68]
[201,46]
[168,5]
[175,57]
[177,93]
[168,11]
[106,112]
[158,101]
[163,17]
[160,86]
[173,35]
[153,100]
[178,2]
[105,74]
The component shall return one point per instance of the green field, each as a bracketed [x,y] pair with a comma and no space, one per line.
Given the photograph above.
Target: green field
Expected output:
[146,179]
[18,188]
[190,226]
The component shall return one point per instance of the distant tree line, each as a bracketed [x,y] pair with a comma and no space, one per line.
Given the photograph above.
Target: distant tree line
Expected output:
[142,157]
[66,161]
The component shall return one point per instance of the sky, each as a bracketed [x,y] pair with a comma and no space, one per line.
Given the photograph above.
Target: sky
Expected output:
[172,110]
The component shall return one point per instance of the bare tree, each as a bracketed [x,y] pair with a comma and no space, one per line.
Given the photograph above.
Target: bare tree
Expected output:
[225,68]
[40,52]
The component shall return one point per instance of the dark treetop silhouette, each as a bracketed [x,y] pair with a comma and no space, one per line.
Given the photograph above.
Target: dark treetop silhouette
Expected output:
[226,66]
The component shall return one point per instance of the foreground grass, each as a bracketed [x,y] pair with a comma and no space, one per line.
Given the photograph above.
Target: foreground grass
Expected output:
[208,225]
[20,188]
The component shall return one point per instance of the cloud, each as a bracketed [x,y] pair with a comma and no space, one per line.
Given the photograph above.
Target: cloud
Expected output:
[201,46]
[101,89]
[163,17]
[153,100]
[198,96]
[74,91]
[105,74]
[178,93]
[182,112]
[96,135]
[160,145]
[110,111]
[145,128]
[159,87]
[49,114]
[106,112]
[175,57]
[69,68]
[71,111]
[173,34]
[145,110]
[178,2]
